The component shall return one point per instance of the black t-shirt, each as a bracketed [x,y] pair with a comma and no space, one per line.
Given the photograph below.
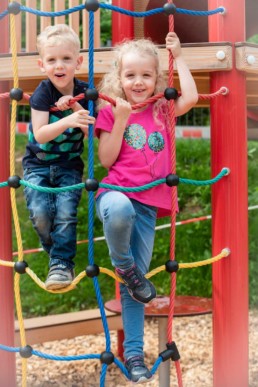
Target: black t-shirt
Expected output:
[65,149]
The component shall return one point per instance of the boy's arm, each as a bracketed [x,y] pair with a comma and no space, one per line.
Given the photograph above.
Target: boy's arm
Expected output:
[189,94]
[45,132]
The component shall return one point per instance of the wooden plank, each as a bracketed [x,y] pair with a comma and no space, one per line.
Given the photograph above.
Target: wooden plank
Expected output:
[74,17]
[199,58]
[66,326]
[85,30]
[247,57]
[18,30]
[45,5]
[31,28]
[59,5]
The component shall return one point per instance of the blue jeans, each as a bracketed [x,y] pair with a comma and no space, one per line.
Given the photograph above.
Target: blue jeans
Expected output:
[129,228]
[54,216]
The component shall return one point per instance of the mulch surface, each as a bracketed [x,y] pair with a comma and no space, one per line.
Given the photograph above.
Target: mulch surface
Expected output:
[193,336]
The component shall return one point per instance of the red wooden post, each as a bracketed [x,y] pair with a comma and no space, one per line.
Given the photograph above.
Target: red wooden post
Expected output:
[229,206]
[122,25]
[7,359]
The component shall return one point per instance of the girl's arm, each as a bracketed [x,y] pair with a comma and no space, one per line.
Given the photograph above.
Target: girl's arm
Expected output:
[45,132]
[110,143]
[189,94]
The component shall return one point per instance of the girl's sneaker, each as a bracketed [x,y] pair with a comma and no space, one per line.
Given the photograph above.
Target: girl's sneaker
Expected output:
[139,287]
[137,370]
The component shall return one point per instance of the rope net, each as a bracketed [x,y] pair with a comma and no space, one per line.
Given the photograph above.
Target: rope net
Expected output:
[20,266]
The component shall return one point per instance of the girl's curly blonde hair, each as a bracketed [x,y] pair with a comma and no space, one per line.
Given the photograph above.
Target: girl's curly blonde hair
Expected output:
[110,84]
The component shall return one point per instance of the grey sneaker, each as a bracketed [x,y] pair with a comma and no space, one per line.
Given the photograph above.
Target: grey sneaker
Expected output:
[139,287]
[59,276]
[137,370]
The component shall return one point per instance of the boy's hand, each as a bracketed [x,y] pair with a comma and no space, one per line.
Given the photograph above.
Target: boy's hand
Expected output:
[80,119]
[63,102]
[173,44]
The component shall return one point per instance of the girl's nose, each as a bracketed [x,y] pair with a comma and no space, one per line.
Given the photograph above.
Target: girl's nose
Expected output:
[138,80]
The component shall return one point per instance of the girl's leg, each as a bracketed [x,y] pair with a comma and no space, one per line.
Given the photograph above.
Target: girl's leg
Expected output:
[117,214]
[142,241]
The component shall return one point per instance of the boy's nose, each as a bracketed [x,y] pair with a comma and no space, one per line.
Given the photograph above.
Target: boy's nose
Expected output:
[59,64]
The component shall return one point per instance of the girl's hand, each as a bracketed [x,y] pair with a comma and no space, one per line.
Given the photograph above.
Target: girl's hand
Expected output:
[173,44]
[122,110]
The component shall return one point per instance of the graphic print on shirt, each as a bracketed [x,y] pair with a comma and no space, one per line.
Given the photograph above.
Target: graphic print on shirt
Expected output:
[136,137]
[66,142]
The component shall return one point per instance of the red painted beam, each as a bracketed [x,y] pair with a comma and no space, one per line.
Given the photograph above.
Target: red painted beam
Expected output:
[230,207]
[122,25]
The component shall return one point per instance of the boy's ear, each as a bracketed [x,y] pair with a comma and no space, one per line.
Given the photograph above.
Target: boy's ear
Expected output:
[40,64]
[79,62]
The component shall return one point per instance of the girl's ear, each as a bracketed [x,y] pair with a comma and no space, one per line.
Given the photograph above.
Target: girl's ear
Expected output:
[41,66]
[79,62]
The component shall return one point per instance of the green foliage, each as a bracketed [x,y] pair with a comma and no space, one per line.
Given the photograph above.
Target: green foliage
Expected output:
[253,39]
[193,241]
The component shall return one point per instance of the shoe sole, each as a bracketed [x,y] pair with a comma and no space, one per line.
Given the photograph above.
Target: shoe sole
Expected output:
[57,285]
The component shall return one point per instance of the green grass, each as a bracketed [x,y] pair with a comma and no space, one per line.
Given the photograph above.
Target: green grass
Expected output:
[193,241]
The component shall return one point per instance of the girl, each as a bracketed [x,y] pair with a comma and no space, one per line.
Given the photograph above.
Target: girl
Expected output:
[134,146]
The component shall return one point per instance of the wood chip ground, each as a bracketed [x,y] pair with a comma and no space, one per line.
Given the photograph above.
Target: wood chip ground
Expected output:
[193,336]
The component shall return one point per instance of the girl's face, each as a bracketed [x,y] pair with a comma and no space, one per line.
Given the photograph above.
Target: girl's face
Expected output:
[138,77]
[59,63]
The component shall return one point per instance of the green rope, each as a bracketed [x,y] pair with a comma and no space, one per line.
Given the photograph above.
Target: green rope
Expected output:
[132,189]
[224,171]
[54,190]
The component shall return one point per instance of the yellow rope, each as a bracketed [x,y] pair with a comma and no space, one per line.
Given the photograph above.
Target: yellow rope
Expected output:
[13,195]
[224,253]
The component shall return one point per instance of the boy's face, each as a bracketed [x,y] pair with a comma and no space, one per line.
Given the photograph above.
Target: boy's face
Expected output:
[59,63]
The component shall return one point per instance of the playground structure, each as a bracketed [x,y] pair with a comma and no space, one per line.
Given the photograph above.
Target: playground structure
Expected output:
[224,62]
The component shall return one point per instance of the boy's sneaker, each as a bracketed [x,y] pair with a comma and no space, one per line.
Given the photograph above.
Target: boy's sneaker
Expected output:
[137,370]
[139,287]
[59,276]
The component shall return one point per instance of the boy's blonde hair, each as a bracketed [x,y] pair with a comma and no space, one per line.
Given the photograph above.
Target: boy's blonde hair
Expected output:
[110,84]
[58,34]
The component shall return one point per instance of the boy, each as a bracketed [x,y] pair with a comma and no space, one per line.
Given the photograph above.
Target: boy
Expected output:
[53,151]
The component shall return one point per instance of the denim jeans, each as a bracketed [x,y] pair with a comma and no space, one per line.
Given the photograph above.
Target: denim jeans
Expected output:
[54,216]
[129,228]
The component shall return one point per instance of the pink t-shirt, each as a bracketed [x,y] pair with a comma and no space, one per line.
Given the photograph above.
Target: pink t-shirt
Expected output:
[144,158]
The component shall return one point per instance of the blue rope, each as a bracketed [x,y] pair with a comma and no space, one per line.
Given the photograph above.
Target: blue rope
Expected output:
[131,13]
[156,365]
[91,196]
[52,14]
[3,14]
[9,349]
[64,358]
[81,7]
[200,13]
